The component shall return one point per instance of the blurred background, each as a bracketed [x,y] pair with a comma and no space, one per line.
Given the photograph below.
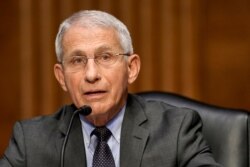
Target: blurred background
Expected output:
[196,48]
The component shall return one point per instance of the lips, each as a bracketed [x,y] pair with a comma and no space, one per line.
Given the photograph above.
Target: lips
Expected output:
[95,95]
[94,92]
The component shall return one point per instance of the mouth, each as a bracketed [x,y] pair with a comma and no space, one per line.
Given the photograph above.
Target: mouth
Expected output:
[95,92]
[95,95]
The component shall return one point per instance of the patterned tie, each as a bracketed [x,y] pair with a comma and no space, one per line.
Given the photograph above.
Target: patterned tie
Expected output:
[103,155]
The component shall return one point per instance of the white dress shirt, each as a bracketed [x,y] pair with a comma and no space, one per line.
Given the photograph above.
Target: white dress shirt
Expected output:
[90,142]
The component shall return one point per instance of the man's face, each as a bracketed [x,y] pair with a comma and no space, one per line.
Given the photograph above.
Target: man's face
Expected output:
[104,88]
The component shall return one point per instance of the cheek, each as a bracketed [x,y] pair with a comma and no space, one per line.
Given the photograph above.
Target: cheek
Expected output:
[73,83]
[119,80]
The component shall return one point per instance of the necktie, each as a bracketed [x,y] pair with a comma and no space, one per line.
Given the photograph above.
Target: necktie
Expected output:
[103,155]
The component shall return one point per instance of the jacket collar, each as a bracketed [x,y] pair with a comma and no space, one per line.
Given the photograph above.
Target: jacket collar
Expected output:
[74,150]
[133,135]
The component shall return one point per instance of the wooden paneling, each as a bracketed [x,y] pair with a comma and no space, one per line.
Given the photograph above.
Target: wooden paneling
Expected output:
[196,48]
[9,70]
[225,53]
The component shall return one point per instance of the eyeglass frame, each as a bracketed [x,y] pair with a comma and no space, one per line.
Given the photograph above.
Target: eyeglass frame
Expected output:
[95,58]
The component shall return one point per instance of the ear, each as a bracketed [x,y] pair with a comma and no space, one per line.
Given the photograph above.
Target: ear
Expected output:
[134,65]
[58,71]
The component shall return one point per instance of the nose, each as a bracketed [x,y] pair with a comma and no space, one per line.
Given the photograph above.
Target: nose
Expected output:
[91,71]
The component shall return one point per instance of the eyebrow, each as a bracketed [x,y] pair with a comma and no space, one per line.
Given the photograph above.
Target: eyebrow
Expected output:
[103,48]
[79,52]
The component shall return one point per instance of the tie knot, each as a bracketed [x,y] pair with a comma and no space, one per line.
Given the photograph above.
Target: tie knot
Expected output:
[102,133]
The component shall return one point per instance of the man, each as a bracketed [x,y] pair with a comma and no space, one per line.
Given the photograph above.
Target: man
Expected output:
[96,63]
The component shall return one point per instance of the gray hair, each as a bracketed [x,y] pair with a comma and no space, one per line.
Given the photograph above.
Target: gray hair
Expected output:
[92,18]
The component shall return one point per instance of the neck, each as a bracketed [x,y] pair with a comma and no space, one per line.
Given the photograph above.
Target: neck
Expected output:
[102,120]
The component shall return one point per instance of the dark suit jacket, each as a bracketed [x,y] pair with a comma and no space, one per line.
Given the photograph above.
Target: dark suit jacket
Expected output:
[153,134]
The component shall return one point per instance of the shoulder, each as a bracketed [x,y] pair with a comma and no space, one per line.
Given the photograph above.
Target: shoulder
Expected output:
[42,120]
[154,107]
[45,123]
[164,113]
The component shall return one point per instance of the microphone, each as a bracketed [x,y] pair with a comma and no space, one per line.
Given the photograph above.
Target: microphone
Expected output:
[84,110]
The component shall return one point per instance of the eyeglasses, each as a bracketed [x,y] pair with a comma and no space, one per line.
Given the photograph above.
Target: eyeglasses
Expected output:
[77,63]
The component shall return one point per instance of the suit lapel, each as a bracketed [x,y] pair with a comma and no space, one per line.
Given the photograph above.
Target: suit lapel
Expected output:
[133,136]
[75,150]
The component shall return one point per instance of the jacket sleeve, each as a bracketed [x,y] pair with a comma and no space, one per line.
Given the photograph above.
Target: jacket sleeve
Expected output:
[14,155]
[193,151]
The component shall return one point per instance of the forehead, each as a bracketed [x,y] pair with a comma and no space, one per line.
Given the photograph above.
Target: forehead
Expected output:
[86,39]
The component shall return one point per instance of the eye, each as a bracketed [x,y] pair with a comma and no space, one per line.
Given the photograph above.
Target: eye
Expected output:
[105,57]
[78,60]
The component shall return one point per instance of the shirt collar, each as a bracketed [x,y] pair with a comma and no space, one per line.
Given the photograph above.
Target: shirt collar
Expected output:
[113,125]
